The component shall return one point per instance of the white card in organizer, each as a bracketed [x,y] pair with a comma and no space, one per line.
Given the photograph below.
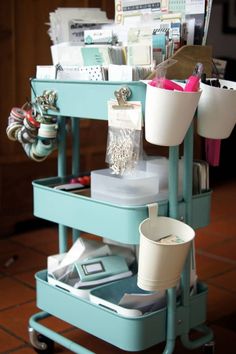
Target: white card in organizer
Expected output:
[91,73]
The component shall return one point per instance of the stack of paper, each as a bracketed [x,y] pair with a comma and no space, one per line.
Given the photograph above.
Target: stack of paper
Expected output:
[70,54]
[67,24]
[89,46]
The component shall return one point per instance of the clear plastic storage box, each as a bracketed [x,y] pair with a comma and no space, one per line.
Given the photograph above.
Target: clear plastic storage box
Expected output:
[138,188]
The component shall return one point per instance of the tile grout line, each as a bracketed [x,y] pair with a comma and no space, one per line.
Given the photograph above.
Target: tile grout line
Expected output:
[23,346]
[14,277]
[220,286]
[13,335]
[213,256]
[17,305]
[30,248]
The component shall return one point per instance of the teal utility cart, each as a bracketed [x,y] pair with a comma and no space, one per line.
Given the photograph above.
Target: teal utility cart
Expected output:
[83,213]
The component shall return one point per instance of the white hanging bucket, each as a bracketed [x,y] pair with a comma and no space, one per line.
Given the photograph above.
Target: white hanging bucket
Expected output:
[216,115]
[168,115]
[161,261]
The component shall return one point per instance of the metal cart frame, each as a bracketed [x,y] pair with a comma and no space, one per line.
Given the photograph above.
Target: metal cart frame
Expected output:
[176,320]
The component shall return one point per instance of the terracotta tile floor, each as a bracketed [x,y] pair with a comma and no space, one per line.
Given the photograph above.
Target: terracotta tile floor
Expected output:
[216,265]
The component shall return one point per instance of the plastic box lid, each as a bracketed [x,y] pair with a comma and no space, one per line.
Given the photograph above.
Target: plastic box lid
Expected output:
[138,188]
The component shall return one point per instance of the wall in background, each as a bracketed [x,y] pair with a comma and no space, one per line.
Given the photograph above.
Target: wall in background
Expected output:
[223,43]
[24,43]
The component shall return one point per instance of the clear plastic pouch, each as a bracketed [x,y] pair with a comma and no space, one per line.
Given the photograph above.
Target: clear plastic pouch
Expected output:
[124,139]
[124,149]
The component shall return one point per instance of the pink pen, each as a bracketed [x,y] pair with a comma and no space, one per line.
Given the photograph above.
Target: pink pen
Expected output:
[193,82]
[165,84]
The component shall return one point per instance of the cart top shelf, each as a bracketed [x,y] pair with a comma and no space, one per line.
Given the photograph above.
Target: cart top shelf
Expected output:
[83,99]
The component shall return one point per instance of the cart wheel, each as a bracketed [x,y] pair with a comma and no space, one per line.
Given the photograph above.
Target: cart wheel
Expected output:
[209,348]
[48,345]
[40,343]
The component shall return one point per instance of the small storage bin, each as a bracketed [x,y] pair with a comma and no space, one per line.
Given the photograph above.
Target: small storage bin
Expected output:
[217,110]
[168,115]
[160,166]
[138,188]
[161,262]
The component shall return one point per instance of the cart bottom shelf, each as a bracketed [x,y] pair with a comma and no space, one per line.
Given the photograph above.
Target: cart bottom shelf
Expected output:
[130,334]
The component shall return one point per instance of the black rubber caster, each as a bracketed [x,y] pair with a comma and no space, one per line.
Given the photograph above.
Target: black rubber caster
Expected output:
[41,343]
[49,345]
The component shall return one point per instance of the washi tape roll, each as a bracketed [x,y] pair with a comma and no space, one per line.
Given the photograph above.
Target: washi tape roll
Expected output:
[26,136]
[18,113]
[32,120]
[48,131]
[12,131]
[38,139]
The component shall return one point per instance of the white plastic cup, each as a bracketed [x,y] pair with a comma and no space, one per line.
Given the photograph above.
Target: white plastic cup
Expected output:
[168,115]
[160,264]
[216,115]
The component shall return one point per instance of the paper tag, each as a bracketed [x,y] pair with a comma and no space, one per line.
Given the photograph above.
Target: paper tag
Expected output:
[92,73]
[121,117]
[45,72]
[98,36]
[120,72]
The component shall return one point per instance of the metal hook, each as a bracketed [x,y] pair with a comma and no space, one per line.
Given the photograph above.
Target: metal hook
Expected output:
[122,95]
[47,101]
